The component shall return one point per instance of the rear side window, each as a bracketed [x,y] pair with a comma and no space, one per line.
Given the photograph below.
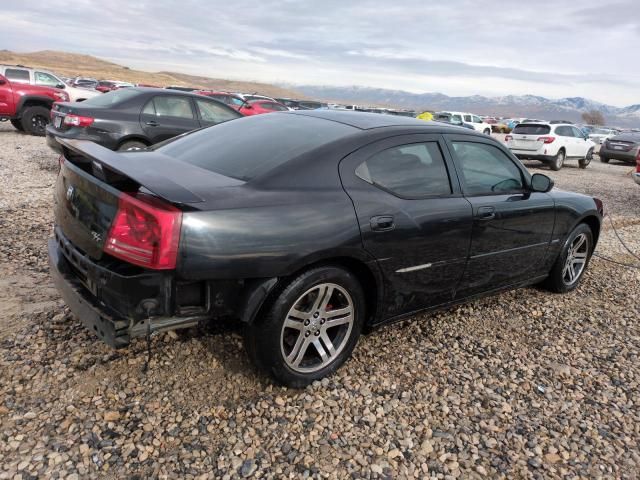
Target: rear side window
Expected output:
[250,147]
[213,113]
[17,74]
[564,131]
[414,170]
[531,129]
[168,106]
[486,170]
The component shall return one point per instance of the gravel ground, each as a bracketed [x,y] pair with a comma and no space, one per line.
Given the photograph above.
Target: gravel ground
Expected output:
[522,385]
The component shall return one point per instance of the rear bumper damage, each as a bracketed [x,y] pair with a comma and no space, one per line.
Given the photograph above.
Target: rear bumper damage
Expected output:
[84,298]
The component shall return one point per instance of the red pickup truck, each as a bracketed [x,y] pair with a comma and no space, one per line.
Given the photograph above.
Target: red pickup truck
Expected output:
[26,106]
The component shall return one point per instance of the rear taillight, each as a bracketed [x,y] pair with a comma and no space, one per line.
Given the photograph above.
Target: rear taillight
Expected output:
[599,206]
[77,121]
[508,138]
[638,161]
[145,232]
[546,139]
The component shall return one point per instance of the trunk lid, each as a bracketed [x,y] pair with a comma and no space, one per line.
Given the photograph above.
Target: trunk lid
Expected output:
[92,179]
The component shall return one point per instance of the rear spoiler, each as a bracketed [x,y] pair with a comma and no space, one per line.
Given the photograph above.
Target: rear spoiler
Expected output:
[151,170]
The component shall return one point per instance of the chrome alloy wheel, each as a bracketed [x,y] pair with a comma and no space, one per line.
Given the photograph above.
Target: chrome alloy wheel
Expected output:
[317,328]
[576,259]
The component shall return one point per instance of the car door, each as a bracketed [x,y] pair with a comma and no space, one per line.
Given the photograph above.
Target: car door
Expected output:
[582,145]
[213,112]
[166,116]
[512,226]
[566,139]
[412,216]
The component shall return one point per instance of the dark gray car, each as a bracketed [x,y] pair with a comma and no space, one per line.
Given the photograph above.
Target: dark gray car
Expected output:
[134,118]
[624,147]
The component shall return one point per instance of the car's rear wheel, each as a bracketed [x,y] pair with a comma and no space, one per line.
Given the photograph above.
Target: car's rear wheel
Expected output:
[17,124]
[310,328]
[35,120]
[572,262]
[132,145]
[558,161]
[583,162]
[604,159]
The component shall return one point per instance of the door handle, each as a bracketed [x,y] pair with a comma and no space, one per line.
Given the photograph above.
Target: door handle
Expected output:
[382,223]
[486,213]
[152,123]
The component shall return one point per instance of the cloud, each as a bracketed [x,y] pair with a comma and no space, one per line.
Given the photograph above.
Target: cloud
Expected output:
[459,47]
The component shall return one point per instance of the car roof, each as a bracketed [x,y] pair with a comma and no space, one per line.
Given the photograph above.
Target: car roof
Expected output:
[364,120]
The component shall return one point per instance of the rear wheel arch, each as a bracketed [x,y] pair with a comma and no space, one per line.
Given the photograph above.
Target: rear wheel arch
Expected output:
[369,279]
[133,138]
[594,224]
[30,101]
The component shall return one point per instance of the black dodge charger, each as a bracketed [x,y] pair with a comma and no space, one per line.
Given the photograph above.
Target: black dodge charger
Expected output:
[134,118]
[307,227]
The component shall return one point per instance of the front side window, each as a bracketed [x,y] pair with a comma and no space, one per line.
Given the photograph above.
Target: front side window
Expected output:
[212,113]
[17,74]
[577,133]
[477,119]
[486,169]
[43,78]
[167,106]
[414,170]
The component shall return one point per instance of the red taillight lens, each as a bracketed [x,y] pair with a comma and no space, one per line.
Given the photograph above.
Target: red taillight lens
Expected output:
[77,121]
[599,205]
[145,232]
[546,139]
[508,138]
[638,161]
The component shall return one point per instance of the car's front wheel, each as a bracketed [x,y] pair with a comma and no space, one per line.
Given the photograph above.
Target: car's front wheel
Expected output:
[558,161]
[35,120]
[572,262]
[583,162]
[310,328]
[487,131]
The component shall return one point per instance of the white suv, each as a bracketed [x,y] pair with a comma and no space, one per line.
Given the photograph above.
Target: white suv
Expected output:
[32,76]
[473,120]
[550,143]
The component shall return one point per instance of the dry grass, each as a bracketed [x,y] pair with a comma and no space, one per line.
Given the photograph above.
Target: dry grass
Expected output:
[73,64]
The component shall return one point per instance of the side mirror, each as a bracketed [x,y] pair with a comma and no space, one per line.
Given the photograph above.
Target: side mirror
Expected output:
[60,86]
[541,183]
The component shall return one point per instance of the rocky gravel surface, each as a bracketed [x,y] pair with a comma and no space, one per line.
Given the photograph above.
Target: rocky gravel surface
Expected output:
[522,385]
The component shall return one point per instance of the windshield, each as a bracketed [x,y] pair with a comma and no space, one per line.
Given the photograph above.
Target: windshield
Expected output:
[249,147]
[112,98]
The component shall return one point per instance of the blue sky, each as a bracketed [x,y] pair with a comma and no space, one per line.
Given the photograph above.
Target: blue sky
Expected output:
[459,47]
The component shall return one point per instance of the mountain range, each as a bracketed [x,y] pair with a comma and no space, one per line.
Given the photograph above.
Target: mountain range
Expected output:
[531,106]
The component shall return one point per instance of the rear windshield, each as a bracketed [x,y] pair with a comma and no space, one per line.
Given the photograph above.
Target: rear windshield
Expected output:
[112,98]
[530,129]
[249,147]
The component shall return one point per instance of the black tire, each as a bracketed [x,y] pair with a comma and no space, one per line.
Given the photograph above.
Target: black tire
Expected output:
[604,159]
[266,341]
[583,162]
[35,120]
[487,131]
[557,281]
[556,163]
[17,124]
[132,145]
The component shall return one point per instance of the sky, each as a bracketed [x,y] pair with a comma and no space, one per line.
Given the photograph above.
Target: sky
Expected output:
[553,48]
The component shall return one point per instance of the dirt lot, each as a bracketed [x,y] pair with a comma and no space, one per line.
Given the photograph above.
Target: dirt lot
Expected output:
[523,385]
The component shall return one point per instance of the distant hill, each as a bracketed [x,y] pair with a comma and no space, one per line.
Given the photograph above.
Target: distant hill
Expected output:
[74,64]
[510,105]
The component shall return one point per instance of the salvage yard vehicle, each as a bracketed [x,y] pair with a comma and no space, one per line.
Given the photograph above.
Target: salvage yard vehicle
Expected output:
[43,78]
[134,118]
[550,143]
[27,106]
[624,147]
[474,120]
[325,224]
[258,107]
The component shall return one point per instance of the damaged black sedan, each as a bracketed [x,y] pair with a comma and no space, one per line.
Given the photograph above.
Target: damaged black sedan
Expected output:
[307,227]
